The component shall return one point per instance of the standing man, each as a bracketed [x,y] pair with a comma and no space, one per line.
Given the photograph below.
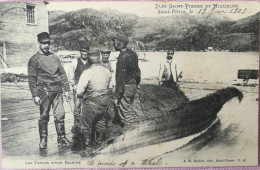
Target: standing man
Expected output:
[46,77]
[105,60]
[93,88]
[168,77]
[128,77]
[78,66]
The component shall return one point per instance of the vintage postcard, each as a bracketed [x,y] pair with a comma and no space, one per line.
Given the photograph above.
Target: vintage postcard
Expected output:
[143,84]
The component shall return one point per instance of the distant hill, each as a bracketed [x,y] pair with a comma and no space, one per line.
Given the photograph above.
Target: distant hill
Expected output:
[184,32]
[175,23]
[93,26]
[243,35]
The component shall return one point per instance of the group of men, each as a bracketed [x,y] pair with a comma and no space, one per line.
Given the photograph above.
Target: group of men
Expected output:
[90,79]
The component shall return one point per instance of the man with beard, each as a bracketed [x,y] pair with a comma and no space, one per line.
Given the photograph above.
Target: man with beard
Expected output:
[128,77]
[166,75]
[105,59]
[77,67]
[46,77]
[93,88]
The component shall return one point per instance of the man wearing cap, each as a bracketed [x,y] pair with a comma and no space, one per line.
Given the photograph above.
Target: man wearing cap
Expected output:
[77,67]
[105,59]
[168,70]
[128,77]
[47,79]
[93,88]
[105,62]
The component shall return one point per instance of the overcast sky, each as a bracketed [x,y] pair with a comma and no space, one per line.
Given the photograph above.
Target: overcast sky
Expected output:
[145,9]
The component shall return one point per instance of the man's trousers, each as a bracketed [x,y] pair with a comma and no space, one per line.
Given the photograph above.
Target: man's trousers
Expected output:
[54,100]
[122,109]
[94,109]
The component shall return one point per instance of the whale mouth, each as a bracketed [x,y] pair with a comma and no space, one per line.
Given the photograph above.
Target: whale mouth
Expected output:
[165,116]
[156,149]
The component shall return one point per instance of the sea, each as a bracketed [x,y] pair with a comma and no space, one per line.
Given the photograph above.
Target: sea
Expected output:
[200,67]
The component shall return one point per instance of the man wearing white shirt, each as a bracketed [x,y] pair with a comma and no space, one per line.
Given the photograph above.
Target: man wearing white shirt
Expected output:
[77,67]
[168,70]
[93,89]
[105,62]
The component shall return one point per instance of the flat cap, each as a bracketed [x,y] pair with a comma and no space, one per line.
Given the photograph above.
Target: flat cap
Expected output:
[43,37]
[121,37]
[105,52]
[94,57]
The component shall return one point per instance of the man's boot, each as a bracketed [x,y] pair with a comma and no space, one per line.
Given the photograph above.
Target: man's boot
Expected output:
[60,128]
[101,137]
[88,139]
[79,142]
[43,131]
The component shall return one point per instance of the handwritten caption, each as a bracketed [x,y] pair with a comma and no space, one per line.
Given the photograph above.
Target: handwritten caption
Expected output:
[209,9]
[101,163]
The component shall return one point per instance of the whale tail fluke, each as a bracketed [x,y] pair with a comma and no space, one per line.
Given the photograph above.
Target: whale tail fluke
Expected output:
[229,93]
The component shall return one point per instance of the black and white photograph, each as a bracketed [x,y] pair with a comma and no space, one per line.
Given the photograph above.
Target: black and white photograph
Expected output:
[129,84]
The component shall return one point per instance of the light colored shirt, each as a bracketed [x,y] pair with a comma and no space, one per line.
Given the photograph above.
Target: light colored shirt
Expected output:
[94,81]
[108,65]
[167,68]
[71,73]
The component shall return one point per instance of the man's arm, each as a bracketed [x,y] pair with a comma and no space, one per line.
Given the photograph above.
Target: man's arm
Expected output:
[32,77]
[161,70]
[121,77]
[138,71]
[83,83]
[63,77]
[71,73]
[110,84]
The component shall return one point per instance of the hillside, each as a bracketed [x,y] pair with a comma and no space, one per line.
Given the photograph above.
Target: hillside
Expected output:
[184,32]
[95,27]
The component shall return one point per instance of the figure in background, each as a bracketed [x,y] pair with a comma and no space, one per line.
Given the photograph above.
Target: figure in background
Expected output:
[100,128]
[105,60]
[93,89]
[46,78]
[168,74]
[77,67]
[128,77]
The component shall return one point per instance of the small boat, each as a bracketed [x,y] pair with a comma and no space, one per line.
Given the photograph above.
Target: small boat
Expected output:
[247,74]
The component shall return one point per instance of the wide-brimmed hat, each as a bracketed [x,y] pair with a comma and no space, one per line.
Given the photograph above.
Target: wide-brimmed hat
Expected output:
[44,37]
[120,37]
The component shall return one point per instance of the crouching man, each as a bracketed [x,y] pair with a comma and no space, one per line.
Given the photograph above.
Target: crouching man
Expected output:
[46,77]
[93,88]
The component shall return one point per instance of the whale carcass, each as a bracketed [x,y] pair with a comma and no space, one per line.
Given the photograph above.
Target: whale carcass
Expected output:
[160,114]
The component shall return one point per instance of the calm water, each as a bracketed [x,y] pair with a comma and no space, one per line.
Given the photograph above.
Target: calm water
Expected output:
[207,67]
[203,67]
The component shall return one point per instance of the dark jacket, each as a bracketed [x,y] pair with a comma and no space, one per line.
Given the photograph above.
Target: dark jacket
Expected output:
[127,71]
[46,73]
[80,68]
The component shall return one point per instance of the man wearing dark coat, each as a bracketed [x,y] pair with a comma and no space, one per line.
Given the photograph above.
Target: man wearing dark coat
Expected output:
[77,67]
[47,79]
[128,77]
